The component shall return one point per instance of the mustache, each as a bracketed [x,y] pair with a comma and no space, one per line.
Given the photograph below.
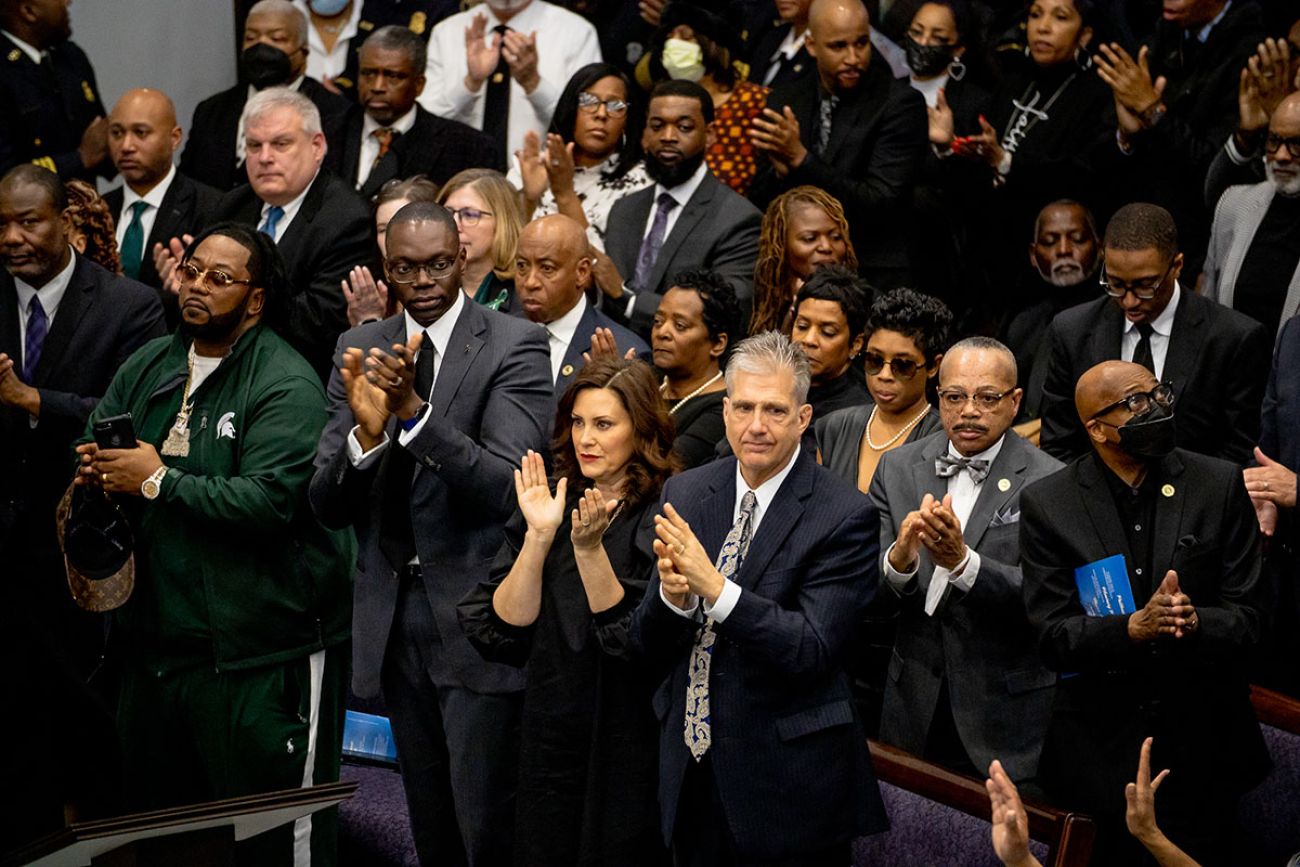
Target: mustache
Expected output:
[978,428]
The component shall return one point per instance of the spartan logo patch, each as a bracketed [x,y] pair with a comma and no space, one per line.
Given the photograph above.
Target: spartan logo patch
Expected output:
[226,426]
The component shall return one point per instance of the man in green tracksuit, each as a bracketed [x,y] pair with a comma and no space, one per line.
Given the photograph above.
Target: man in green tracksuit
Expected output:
[235,640]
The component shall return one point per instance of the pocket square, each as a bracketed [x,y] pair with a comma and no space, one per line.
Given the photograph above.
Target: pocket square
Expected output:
[1001,519]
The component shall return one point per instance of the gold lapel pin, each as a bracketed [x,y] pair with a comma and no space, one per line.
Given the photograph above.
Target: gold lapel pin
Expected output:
[1167,490]
[1004,485]
[567,370]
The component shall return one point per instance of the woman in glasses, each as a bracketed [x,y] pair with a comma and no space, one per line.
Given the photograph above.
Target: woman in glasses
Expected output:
[564,587]
[829,320]
[489,216]
[368,298]
[591,156]
[907,333]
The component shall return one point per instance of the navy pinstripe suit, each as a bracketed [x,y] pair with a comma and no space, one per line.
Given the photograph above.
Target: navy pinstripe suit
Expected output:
[788,753]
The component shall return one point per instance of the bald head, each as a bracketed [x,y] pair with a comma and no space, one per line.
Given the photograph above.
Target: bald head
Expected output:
[824,14]
[143,137]
[839,40]
[1108,382]
[552,267]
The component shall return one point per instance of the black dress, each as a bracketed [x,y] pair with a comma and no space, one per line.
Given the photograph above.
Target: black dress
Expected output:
[588,764]
[699,428]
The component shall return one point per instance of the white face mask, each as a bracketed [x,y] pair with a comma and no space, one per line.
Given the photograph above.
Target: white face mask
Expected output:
[683,60]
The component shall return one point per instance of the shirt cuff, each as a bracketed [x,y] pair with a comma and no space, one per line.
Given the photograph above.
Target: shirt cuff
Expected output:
[897,580]
[1125,149]
[404,437]
[1234,153]
[363,459]
[727,600]
[691,599]
[631,302]
[963,577]
[544,98]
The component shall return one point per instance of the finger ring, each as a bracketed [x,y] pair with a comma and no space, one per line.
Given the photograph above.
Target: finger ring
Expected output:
[395,381]
[103,477]
[1268,75]
[680,549]
[1266,486]
[555,162]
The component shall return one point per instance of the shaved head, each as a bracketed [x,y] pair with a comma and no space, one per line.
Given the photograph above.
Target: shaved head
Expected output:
[563,233]
[839,40]
[143,137]
[552,267]
[155,103]
[826,13]
[1108,382]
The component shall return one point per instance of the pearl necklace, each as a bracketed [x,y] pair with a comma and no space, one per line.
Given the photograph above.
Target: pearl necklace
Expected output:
[664,388]
[896,437]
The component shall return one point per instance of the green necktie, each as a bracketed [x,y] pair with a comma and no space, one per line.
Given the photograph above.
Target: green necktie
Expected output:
[133,241]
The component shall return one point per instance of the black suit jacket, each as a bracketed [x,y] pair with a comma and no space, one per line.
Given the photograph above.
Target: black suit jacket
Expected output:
[209,155]
[492,402]
[581,342]
[1189,693]
[717,230]
[332,233]
[434,147]
[183,210]
[788,753]
[44,117]
[796,67]
[879,135]
[1217,361]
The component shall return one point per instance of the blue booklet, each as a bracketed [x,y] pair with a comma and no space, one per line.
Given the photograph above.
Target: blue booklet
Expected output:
[1104,588]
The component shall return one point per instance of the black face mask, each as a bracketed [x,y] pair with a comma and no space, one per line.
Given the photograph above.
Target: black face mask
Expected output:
[927,60]
[1150,436]
[264,66]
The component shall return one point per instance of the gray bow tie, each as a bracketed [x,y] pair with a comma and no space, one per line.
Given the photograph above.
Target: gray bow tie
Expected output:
[946,466]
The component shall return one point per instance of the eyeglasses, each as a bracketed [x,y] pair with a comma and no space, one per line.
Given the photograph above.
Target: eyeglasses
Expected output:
[903,368]
[1143,402]
[955,398]
[468,217]
[1275,142]
[190,273]
[407,272]
[590,103]
[1143,290]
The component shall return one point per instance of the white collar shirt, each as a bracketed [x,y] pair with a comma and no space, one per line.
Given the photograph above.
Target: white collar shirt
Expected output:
[290,211]
[439,333]
[30,50]
[1162,328]
[681,194]
[1204,33]
[51,295]
[153,199]
[561,331]
[788,48]
[322,64]
[370,144]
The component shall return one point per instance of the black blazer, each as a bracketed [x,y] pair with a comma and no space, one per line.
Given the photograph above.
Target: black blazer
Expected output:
[492,401]
[788,753]
[209,155]
[434,147]
[1189,693]
[879,135]
[101,320]
[717,230]
[581,342]
[332,233]
[1218,360]
[183,210]
[760,62]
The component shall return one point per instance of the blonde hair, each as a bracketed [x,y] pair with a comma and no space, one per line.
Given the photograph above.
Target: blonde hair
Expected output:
[772,295]
[503,200]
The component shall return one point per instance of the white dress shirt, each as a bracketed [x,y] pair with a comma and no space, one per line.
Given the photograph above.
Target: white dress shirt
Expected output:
[565,43]
[370,144]
[764,494]
[290,211]
[153,199]
[1162,325]
[51,294]
[560,333]
[681,194]
[440,335]
[788,48]
[30,50]
[322,64]
[965,492]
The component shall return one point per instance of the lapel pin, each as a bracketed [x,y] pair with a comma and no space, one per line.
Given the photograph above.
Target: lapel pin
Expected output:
[467,345]
[567,370]
[1167,490]
[1004,485]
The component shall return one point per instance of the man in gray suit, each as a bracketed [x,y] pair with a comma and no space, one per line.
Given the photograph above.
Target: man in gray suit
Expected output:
[1253,263]
[965,683]
[687,220]
[430,411]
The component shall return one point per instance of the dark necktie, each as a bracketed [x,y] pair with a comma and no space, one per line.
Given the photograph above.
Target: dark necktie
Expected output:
[385,138]
[946,466]
[1142,354]
[699,731]
[826,110]
[654,242]
[37,327]
[496,102]
[396,538]
[133,241]
[273,215]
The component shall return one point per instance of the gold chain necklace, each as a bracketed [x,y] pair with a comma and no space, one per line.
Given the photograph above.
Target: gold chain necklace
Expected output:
[177,443]
[896,437]
[663,389]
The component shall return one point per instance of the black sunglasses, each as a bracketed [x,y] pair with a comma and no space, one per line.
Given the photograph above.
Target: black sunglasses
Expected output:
[903,368]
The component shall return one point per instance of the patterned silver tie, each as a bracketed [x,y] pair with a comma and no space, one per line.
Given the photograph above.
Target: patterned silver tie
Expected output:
[698,733]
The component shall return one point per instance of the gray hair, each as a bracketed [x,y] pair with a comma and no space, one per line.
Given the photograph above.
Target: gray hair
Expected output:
[397,38]
[770,352]
[282,7]
[987,344]
[282,97]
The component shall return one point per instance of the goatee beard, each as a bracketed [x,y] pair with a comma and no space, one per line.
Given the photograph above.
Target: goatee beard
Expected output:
[669,176]
[217,329]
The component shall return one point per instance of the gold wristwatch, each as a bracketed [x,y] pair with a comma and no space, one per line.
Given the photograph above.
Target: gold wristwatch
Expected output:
[152,486]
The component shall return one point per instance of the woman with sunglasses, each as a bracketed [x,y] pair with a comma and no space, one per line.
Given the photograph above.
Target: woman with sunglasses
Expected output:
[489,217]
[907,333]
[591,156]
[564,588]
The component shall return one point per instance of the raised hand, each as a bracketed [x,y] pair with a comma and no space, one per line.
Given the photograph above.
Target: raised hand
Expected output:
[559,165]
[1129,80]
[778,135]
[532,169]
[676,588]
[1270,481]
[543,512]
[367,297]
[481,57]
[1010,824]
[93,149]
[941,123]
[369,408]
[605,345]
[1265,82]
[1167,612]
[605,273]
[394,375]
[520,52]
[166,258]
[983,145]
[591,519]
[942,535]
[1140,795]
[687,554]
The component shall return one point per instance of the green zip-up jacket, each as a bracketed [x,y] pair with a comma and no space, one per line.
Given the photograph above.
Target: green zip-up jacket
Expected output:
[232,568]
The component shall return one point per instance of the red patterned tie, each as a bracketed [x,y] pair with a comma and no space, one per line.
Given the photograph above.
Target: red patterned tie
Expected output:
[385,138]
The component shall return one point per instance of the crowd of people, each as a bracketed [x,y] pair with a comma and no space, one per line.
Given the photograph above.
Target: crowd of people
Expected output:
[643,404]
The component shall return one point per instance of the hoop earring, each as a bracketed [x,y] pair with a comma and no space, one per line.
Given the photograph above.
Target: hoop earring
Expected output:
[956,69]
[1086,63]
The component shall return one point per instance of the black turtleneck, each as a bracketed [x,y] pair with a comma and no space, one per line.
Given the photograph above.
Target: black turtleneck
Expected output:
[1261,287]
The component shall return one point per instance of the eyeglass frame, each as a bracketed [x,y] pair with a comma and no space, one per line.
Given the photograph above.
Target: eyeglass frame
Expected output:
[201,275]
[978,398]
[1273,143]
[459,214]
[592,107]
[1149,395]
[1138,292]
[427,267]
[890,363]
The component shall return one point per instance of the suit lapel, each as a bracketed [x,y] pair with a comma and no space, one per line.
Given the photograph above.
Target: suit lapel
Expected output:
[626,246]
[1104,516]
[463,347]
[781,517]
[298,229]
[76,301]
[1170,500]
[1185,340]
[1008,466]
[711,519]
[578,344]
[857,116]
[693,212]
[167,224]
[1107,334]
[350,159]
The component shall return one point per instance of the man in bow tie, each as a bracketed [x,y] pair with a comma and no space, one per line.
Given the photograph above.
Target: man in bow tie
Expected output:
[965,682]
